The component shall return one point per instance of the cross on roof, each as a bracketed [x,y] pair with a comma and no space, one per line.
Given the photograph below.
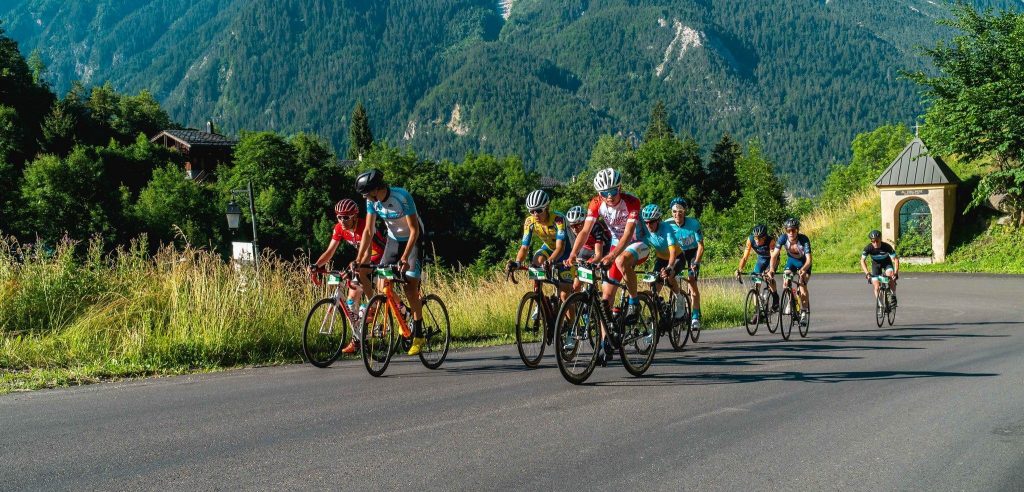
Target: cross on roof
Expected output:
[917,129]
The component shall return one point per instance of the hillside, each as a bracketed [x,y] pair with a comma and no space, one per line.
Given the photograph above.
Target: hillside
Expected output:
[535,78]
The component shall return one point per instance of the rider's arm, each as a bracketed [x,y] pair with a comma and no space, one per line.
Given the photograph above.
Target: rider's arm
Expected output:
[524,244]
[366,242]
[864,264]
[559,247]
[673,252]
[807,264]
[598,248]
[895,265]
[746,254]
[582,237]
[414,235]
[775,260]
[328,254]
[521,255]
[700,251]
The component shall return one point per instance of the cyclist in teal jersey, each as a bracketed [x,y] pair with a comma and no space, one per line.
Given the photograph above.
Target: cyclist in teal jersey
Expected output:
[668,254]
[688,235]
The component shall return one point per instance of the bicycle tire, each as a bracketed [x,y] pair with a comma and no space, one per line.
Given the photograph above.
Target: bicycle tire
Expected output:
[880,307]
[323,350]
[678,333]
[768,313]
[640,339]
[581,326]
[786,303]
[751,312]
[805,327]
[530,332]
[377,339]
[437,332]
[890,310]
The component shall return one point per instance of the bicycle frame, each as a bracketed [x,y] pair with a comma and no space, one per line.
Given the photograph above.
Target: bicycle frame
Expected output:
[388,274]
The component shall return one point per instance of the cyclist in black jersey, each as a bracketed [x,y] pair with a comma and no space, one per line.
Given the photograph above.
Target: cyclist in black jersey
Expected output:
[761,244]
[884,261]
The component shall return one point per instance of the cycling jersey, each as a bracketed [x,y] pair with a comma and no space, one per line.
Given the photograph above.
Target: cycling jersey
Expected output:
[599,233]
[662,241]
[549,232]
[394,209]
[617,216]
[688,235]
[353,236]
[884,253]
[797,250]
[764,250]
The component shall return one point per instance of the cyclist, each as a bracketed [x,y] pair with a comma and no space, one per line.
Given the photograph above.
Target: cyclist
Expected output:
[398,210]
[620,212]
[596,243]
[884,261]
[761,244]
[798,259]
[349,229]
[549,228]
[688,235]
[669,260]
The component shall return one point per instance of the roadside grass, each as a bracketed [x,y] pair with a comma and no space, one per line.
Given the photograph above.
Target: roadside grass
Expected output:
[68,319]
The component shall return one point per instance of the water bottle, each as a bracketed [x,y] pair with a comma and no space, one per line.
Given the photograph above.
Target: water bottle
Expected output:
[351,310]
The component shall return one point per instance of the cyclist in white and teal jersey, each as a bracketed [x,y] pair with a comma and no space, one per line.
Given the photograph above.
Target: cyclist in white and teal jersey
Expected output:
[689,236]
[668,254]
[398,210]
[884,261]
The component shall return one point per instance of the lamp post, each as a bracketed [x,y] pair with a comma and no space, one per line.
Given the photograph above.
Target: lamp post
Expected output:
[234,216]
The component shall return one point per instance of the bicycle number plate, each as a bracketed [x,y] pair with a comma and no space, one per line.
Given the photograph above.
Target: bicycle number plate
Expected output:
[883,279]
[386,273]
[757,279]
[650,278]
[333,279]
[585,275]
[537,274]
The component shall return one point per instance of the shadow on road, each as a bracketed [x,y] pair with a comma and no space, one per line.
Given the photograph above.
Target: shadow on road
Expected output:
[796,376]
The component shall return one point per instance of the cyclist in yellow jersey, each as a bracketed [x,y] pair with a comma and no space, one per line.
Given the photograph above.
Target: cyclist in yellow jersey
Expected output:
[549,228]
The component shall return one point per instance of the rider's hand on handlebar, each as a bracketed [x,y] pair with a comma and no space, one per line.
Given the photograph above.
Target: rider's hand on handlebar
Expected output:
[511,265]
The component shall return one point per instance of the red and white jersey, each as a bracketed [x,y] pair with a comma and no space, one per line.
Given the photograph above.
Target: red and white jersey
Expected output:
[354,236]
[616,217]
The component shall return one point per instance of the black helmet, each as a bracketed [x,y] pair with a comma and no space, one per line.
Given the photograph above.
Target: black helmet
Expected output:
[369,181]
[791,223]
[759,230]
[875,234]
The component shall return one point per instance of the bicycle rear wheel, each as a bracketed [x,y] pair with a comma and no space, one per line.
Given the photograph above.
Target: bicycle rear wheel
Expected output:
[577,336]
[324,334]
[378,337]
[640,338]
[751,312]
[880,307]
[890,309]
[437,332]
[787,311]
[530,330]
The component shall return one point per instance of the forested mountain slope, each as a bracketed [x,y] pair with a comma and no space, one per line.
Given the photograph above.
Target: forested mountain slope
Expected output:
[538,78]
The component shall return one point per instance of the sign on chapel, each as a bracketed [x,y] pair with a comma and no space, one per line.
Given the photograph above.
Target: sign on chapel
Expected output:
[918,193]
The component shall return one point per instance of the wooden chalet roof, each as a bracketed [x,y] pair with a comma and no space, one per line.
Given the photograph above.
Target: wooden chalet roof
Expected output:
[197,138]
[915,166]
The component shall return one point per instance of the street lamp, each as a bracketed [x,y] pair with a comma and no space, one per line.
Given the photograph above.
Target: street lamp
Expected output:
[234,216]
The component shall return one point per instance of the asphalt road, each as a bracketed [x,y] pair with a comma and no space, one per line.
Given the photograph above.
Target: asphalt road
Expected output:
[933,403]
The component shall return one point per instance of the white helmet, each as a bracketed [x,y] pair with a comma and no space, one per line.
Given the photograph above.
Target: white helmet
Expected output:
[537,199]
[607,179]
[575,215]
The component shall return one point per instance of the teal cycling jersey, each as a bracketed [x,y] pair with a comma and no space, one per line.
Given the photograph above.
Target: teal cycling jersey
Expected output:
[662,240]
[688,235]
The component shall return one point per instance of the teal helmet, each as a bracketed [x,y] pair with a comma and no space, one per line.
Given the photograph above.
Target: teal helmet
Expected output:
[650,212]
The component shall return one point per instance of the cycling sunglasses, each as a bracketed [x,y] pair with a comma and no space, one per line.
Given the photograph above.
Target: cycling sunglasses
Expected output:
[536,211]
[346,218]
[609,193]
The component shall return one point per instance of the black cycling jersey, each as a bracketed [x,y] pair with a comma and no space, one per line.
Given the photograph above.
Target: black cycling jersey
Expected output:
[598,234]
[763,250]
[883,253]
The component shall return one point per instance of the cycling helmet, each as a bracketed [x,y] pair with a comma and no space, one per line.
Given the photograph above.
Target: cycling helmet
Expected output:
[875,234]
[759,231]
[575,215]
[607,179]
[537,199]
[678,201]
[369,181]
[346,207]
[791,223]
[650,212]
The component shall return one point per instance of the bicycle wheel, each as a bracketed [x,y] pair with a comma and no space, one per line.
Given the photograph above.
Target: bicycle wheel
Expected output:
[751,312]
[378,337]
[805,325]
[437,332]
[787,310]
[880,307]
[769,299]
[640,338]
[577,336]
[890,310]
[530,330]
[324,334]
[678,332]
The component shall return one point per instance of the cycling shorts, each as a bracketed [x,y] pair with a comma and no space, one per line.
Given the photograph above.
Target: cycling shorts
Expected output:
[677,267]
[878,267]
[794,264]
[762,265]
[393,252]
[637,250]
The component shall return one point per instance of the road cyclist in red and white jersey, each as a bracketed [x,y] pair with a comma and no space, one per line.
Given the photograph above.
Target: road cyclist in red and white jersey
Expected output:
[349,229]
[621,212]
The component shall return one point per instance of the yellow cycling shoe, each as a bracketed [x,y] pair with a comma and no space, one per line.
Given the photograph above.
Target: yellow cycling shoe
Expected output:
[417,345]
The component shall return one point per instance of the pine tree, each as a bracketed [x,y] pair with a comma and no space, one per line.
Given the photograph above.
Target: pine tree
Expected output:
[360,137]
[658,127]
[722,186]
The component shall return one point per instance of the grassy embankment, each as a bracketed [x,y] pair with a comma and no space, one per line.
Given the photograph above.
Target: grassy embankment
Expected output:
[67,321]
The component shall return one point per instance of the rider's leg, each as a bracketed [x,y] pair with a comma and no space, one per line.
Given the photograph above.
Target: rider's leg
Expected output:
[626,262]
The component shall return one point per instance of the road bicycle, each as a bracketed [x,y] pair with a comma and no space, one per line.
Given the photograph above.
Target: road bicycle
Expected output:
[326,328]
[678,330]
[884,310]
[758,306]
[535,319]
[791,307]
[388,325]
[578,330]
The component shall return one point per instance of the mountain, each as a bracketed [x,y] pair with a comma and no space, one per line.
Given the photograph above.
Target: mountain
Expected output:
[536,78]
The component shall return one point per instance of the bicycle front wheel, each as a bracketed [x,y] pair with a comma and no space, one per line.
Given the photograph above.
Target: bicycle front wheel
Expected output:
[577,337]
[751,312]
[640,338]
[787,312]
[678,333]
[880,307]
[805,323]
[437,332]
[530,330]
[378,337]
[891,310]
[324,334]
